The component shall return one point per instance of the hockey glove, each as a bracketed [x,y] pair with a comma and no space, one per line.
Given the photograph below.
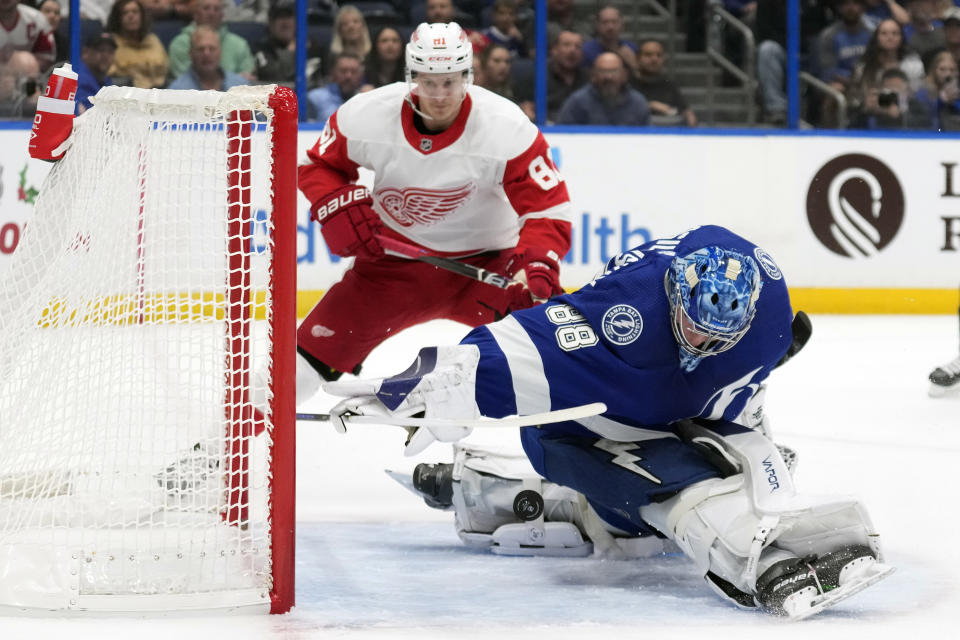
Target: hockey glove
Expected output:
[439,384]
[348,222]
[540,270]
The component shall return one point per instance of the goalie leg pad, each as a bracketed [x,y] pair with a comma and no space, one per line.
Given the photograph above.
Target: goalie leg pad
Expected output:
[738,527]
[502,503]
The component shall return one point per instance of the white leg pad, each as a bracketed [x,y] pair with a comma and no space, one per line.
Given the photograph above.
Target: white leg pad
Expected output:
[738,526]
[308,381]
[486,483]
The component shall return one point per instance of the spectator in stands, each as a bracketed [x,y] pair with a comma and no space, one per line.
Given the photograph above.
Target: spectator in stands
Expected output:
[951,31]
[565,73]
[940,93]
[445,11]
[608,99]
[25,29]
[235,52]
[609,29]
[140,54]
[385,63]
[842,43]
[345,81]
[206,70]
[495,67]
[560,17]
[20,85]
[350,35]
[892,105]
[97,56]
[668,107]
[771,37]
[504,30]
[876,11]
[886,49]
[924,32]
[275,55]
[52,12]
[246,10]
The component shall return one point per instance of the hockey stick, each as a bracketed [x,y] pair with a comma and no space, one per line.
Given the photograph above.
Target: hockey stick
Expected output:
[547,417]
[396,247]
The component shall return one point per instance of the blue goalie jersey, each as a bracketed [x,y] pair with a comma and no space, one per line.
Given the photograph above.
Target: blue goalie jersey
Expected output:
[612,342]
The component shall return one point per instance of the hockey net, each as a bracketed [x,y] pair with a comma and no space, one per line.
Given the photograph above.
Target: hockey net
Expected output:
[147,326]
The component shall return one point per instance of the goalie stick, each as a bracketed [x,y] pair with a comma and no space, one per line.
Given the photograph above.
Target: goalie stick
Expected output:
[547,417]
[391,246]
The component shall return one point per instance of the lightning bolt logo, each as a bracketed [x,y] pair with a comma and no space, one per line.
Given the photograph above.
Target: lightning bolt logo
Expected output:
[623,324]
[623,458]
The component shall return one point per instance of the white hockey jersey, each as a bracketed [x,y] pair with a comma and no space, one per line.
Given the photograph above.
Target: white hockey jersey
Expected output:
[470,188]
[30,32]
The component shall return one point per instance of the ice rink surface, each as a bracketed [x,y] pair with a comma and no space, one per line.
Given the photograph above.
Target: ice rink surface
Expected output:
[375,562]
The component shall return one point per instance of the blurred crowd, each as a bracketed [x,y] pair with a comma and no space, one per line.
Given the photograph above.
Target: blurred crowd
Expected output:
[879,64]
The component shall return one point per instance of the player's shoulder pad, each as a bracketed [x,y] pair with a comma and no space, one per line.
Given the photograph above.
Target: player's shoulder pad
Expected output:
[381,105]
[490,112]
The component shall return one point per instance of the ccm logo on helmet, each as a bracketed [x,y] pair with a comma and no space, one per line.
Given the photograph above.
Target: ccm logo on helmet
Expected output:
[344,199]
[439,58]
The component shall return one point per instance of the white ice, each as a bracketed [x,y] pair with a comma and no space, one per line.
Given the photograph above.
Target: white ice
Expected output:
[375,562]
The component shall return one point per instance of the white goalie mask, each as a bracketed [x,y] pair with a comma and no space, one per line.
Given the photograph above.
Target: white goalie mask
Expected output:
[439,49]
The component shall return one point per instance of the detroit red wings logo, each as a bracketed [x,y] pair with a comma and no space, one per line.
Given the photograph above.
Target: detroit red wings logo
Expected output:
[423,206]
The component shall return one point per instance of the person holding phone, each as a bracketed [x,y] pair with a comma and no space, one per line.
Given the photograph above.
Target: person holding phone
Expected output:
[891,105]
[941,94]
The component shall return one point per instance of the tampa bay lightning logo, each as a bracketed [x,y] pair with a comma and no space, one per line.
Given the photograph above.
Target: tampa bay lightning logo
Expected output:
[765,260]
[622,324]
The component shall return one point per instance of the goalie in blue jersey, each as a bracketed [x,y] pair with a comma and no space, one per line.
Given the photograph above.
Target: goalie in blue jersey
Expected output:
[676,338]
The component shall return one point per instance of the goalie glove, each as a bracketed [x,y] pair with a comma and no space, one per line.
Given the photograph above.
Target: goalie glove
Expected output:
[540,270]
[348,222]
[439,384]
[53,122]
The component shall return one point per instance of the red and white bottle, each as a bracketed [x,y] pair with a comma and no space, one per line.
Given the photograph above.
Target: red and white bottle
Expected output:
[53,121]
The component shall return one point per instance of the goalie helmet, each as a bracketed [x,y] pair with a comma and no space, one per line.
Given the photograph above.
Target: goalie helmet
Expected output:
[439,48]
[714,292]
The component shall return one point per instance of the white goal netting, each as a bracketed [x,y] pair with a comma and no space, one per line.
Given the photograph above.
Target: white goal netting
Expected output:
[136,359]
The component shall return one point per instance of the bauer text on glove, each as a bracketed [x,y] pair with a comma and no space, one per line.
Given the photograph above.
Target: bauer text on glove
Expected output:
[348,222]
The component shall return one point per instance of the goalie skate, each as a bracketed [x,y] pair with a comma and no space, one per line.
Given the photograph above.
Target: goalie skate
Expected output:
[945,378]
[867,576]
[799,589]
[432,482]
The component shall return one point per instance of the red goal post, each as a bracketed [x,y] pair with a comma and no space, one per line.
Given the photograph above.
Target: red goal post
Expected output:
[147,346]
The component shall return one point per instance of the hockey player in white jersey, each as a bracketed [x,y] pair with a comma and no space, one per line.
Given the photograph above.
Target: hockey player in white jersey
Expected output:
[459,172]
[674,337]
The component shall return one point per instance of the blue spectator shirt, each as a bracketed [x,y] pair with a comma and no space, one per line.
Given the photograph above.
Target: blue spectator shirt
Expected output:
[593,48]
[585,106]
[935,106]
[516,46]
[323,101]
[189,80]
[840,50]
[87,84]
